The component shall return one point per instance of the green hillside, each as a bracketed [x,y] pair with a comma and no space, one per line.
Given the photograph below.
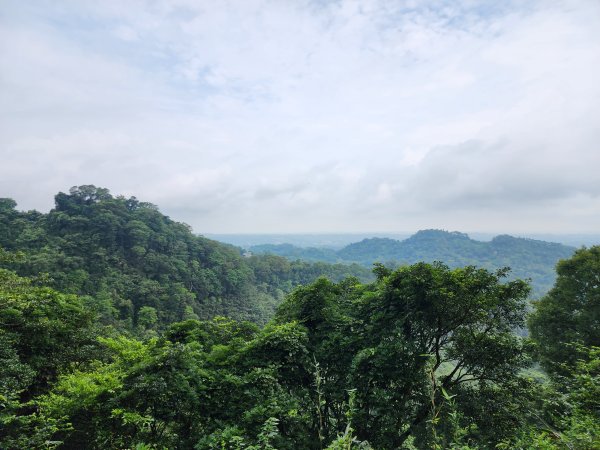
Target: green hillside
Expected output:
[527,258]
[293,252]
[424,357]
[140,269]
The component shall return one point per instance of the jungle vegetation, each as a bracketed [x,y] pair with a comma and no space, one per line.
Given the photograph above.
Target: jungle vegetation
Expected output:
[120,329]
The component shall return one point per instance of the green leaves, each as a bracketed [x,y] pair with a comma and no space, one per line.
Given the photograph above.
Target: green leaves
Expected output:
[387,340]
[425,355]
[447,397]
[42,333]
[570,312]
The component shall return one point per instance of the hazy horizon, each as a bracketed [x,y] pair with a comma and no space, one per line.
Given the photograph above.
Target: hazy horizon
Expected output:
[587,236]
[309,116]
[339,240]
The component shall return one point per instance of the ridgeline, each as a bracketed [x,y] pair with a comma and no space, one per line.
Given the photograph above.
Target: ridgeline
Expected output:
[527,258]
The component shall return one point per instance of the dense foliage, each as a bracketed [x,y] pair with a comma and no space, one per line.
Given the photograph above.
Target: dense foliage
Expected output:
[527,258]
[398,347]
[293,252]
[140,269]
[570,312]
[424,356]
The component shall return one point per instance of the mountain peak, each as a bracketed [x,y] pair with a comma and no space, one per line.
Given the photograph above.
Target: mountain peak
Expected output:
[439,234]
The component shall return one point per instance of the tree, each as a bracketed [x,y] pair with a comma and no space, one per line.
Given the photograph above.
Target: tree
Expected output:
[403,341]
[42,333]
[147,317]
[38,322]
[570,313]
[565,325]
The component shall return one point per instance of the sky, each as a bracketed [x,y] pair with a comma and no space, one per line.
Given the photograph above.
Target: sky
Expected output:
[309,116]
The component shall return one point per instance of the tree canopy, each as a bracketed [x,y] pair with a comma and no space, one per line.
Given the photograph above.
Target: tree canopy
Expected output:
[110,339]
[130,260]
[569,314]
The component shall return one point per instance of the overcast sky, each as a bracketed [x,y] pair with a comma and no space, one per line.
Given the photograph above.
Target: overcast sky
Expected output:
[309,116]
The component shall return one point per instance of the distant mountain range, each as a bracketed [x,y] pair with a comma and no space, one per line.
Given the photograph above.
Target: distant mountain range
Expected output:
[337,241]
[528,258]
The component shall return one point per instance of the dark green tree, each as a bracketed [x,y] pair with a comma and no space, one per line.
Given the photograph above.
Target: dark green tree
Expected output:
[401,342]
[565,325]
[570,314]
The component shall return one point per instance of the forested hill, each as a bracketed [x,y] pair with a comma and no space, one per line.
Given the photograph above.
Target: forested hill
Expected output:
[528,258]
[140,269]
[422,357]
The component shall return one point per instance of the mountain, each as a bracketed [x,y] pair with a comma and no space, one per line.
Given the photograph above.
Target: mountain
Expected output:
[528,258]
[334,241]
[138,268]
[294,252]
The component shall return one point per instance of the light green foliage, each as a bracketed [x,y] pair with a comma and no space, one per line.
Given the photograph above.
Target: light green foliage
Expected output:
[232,438]
[42,333]
[177,394]
[35,324]
[147,317]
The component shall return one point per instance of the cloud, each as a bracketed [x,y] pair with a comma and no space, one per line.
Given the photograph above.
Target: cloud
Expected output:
[309,116]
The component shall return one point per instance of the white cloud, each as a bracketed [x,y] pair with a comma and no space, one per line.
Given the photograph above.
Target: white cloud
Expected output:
[292,116]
